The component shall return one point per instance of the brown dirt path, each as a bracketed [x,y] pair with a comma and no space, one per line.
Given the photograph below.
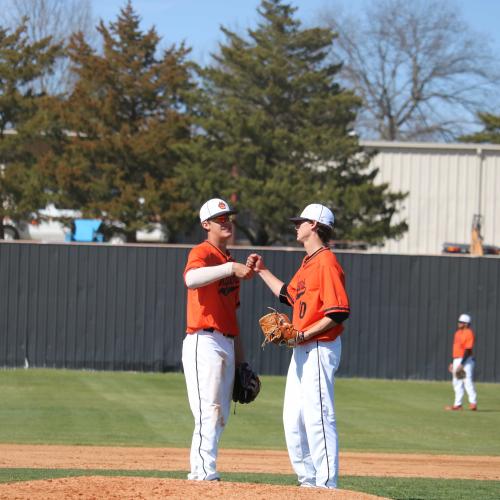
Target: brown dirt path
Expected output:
[94,487]
[351,463]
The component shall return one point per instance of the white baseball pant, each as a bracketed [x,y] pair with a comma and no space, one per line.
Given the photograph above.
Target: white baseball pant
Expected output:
[208,361]
[309,413]
[467,384]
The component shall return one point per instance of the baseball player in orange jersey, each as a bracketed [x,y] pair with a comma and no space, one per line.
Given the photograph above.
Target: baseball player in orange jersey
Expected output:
[211,347]
[320,305]
[463,343]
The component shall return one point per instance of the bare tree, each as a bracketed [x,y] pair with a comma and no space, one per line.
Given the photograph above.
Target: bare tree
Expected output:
[56,18]
[420,70]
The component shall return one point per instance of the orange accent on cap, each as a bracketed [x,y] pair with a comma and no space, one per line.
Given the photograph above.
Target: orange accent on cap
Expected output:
[222,205]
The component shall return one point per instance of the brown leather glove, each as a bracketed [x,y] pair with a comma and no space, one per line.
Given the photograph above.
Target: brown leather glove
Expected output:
[460,372]
[278,329]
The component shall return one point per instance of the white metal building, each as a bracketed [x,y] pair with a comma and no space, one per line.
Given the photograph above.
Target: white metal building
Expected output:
[447,185]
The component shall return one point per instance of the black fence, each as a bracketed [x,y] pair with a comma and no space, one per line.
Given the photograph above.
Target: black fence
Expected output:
[123,308]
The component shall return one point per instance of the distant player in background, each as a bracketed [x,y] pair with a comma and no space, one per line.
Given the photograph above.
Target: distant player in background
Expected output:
[462,366]
[320,305]
[212,347]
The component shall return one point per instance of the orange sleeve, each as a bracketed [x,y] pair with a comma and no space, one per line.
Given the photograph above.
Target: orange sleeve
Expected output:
[197,258]
[332,290]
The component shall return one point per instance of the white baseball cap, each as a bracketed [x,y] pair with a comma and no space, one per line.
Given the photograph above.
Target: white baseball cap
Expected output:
[316,212]
[464,318]
[213,208]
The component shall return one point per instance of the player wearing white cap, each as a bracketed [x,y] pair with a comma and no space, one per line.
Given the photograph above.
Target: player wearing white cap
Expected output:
[320,305]
[212,346]
[463,343]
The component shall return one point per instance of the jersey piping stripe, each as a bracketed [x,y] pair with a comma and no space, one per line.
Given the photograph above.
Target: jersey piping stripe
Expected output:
[337,309]
[322,419]
[199,402]
[307,258]
[227,255]
[285,297]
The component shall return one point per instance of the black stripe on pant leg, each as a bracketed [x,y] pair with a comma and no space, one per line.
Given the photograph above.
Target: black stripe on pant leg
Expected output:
[199,401]
[321,409]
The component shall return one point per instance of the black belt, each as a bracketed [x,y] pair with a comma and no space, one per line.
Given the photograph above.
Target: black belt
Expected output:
[212,330]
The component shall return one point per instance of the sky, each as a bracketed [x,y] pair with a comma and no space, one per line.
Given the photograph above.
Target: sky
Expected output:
[198,22]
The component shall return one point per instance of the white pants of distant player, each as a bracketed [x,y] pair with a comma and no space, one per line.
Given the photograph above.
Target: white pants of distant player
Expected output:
[208,362]
[309,413]
[464,385]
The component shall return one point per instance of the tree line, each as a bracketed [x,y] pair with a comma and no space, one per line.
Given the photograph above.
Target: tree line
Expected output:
[146,135]
[422,72]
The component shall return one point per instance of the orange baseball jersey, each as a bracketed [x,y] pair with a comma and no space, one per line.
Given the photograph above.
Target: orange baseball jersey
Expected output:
[213,305]
[317,289]
[464,339]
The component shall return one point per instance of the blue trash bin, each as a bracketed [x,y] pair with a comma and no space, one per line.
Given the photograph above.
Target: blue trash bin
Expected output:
[86,231]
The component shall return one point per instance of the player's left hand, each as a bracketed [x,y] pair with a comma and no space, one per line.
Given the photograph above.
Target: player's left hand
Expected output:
[298,339]
[256,262]
[252,260]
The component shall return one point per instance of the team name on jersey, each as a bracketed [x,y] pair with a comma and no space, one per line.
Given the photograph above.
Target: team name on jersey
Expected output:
[228,285]
[301,289]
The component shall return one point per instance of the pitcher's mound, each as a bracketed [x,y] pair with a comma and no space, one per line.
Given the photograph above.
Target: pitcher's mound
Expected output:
[121,488]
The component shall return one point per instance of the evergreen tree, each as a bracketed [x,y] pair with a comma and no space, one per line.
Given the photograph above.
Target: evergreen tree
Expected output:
[277,134]
[490,132]
[26,135]
[128,117]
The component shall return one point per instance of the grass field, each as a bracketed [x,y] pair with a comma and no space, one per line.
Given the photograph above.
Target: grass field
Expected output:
[134,409]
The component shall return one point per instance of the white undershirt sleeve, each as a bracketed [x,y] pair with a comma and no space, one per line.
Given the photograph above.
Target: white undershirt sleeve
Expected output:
[201,276]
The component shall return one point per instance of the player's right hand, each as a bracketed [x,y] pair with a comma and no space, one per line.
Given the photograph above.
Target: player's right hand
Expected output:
[242,271]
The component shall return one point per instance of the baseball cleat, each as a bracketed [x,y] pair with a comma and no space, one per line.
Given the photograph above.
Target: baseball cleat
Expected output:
[473,407]
[453,408]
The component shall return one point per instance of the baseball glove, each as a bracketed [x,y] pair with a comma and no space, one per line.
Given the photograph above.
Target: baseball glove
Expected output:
[246,384]
[460,373]
[278,329]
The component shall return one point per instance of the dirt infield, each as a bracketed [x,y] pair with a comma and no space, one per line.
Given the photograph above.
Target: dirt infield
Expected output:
[175,459]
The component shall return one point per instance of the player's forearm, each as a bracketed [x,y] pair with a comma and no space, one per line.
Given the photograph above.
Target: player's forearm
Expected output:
[320,326]
[274,283]
[195,278]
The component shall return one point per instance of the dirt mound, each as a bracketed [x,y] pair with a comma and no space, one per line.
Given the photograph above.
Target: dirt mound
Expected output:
[123,488]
